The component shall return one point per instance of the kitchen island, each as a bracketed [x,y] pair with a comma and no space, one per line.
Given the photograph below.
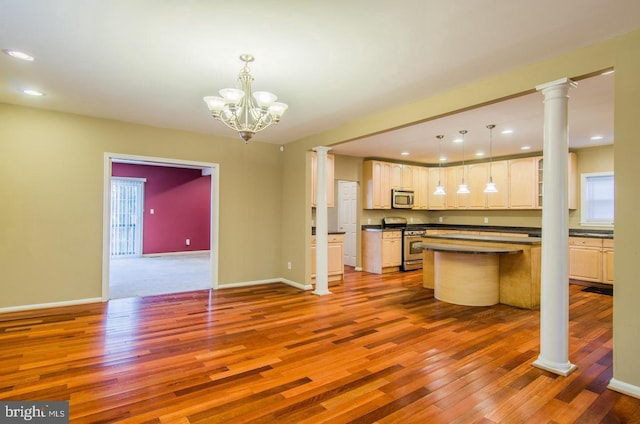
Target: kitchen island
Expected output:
[518,272]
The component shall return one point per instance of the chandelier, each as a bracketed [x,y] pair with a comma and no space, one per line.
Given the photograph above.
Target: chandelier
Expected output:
[243,110]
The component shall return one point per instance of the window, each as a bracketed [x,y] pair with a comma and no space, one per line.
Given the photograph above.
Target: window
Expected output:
[597,199]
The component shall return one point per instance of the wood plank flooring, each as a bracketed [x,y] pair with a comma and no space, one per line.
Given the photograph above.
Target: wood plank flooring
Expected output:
[379,349]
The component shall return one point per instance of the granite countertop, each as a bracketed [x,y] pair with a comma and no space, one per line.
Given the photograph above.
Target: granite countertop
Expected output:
[463,248]
[530,231]
[499,239]
[313,231]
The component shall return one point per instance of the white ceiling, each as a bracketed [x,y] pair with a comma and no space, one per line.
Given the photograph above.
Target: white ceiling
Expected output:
[590,115]
[152,61]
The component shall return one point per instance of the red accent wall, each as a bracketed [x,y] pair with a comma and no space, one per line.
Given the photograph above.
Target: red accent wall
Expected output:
[181,200]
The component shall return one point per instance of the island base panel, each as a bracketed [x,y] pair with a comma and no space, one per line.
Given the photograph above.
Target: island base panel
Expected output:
[463,279]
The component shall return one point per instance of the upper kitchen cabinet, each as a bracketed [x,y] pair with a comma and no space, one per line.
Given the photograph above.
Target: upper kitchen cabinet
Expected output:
[401,176]
[330,182]
[453,200]
[421,187]
[436,176]
[376,179]
[523,186]
[476,177]
[499,171]
[572,200]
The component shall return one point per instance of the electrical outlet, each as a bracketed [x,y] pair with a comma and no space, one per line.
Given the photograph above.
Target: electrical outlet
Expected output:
[289,265]
[440,219]
[486,219]
[187,242]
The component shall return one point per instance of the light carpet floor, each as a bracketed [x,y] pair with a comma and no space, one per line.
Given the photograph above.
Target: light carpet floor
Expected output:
[147,276]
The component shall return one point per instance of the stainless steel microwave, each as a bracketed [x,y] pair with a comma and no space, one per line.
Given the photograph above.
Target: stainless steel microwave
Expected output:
[401,199]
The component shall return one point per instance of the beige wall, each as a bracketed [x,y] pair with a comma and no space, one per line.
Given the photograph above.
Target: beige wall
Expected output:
[51,168]
[623,53]
[594,159]
[626,325]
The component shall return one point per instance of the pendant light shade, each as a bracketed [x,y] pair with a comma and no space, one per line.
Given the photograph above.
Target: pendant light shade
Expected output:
[439,188]
[491,186]
[463,188]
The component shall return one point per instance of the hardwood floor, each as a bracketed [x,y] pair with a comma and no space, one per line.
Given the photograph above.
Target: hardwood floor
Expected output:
[379,349]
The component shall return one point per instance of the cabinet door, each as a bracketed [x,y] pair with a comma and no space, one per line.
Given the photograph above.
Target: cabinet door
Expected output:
[336,258]
[477,177]
[607,266]
[401,176]
[391,252]
[500,173]
[585,263]
[421,187]
[522,183]
[436,176]
[377,185]
[452,200]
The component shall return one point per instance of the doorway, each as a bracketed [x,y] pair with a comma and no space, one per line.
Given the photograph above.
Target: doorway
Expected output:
[125,237]
[347,218]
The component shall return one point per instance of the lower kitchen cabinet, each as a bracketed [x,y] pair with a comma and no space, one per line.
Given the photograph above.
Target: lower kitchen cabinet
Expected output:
[591,259]
[381,251]
[607,261]
[335,257]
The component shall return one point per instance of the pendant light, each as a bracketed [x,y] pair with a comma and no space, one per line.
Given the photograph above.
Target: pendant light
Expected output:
[439,188]
[463,188]
[491,186]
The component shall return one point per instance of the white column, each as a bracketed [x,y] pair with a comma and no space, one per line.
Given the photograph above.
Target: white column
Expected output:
[322,239]
[554,290]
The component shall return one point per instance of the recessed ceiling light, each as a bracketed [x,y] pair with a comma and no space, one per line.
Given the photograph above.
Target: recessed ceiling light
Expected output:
[405,153]
[479,153]
[457,140]
[507,131]
[525,148]
[597,137]
[608,72]
[18,54]
[33,92]
[443,158]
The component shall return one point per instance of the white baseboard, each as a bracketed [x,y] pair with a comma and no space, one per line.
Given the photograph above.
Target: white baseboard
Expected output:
[100,300]
[269,281]
[625,388]
[51,305]
[185,253]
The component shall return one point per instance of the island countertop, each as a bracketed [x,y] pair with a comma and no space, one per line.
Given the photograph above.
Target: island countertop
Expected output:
[487,238]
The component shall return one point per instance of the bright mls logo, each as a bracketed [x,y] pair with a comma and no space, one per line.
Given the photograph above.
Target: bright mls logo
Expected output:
[53,412]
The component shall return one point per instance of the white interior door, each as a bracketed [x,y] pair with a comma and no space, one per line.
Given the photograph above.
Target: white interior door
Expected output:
[347,216]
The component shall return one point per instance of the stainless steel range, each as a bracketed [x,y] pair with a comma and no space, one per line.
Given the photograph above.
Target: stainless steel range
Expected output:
[411,237]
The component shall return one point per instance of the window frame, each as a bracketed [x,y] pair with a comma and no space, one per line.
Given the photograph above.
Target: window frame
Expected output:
[584,200]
